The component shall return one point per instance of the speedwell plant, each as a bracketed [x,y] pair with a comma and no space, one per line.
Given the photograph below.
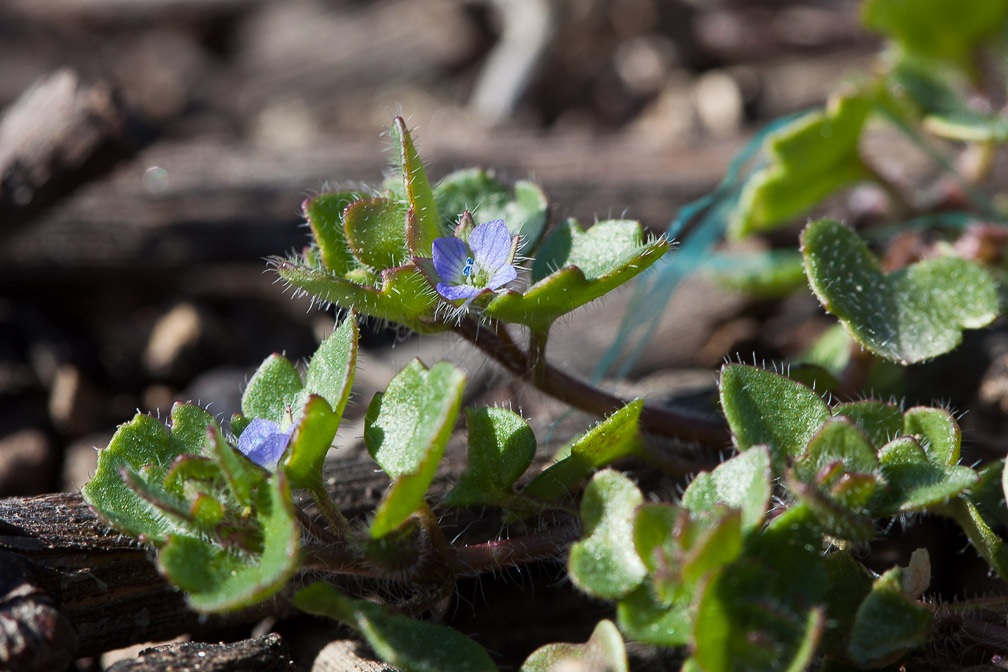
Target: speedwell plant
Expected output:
[757,565]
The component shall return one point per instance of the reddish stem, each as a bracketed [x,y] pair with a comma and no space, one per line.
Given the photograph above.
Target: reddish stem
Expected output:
[582,395]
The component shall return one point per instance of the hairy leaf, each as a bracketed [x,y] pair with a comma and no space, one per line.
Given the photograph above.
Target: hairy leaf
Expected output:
[907,315]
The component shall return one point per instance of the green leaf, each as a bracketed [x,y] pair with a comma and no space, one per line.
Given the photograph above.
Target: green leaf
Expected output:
[917,486]
[331,369]
[946,111]
[309,443]
[376,232]
[140,442]
[902,450]
[218,579]
[501,448]
[604,563]
[615,437]
[888,623]
[832,514]
[763,407]
[574,267]
[770,274]
[848,585]
[242,475]
[325,217]
[759,613]
[472,189]
[407,644]
[809,159]
[936,28]
[147,485]
[906,316]
[604,650]
[424,220]
[406,430]
[646,619]
[880,421]
[404,296]
[743,482]
[272,391]
[937,431]
[526,215]
[715,545]
[989,545]
[841,441]
[654,526]
[478,192]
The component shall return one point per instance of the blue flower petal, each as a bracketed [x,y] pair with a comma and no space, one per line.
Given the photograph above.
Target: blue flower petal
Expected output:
[456,292]
[491,245]
[504,275]
[450,256]
[263,442]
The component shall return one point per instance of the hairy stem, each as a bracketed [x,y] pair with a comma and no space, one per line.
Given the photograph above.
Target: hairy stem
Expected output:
[337,521]
[585,396]
[490,556]
[469,560]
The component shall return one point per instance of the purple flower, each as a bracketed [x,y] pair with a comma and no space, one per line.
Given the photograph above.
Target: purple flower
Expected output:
[264,443]
[484,264]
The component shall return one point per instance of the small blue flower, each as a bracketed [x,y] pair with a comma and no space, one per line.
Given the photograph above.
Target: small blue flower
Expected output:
[264,443]
[484,264]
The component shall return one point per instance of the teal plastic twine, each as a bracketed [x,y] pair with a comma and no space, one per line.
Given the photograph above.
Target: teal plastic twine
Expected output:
[701,223]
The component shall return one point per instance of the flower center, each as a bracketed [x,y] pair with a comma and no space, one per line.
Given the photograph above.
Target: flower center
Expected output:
[473,274]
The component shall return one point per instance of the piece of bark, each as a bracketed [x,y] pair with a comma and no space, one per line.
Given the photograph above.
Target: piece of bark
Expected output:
[104,583]
[50,137]
[108,586]
[267,653]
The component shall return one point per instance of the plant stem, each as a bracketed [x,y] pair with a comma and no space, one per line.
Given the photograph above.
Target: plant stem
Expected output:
[585,396]
[452,562]
[494,555]
[337,521]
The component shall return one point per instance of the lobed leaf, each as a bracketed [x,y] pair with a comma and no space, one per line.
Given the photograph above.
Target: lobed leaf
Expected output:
[271,391]
[404,295]
[604,650]
[487,199]
[767,408]
[935,28]
[424,224]
[839,441]
[220,579]
[906,316]
[917,486]
[574,267]
[376,232]
[809,159]
[331,369]
[888,623]
[937,432]
[325,218]
[144,441]
[501,448]
[309,443]
[760,612]
[406,429]
[615,437]
[881,422]
[645,618]
[743,482]
[605,563]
